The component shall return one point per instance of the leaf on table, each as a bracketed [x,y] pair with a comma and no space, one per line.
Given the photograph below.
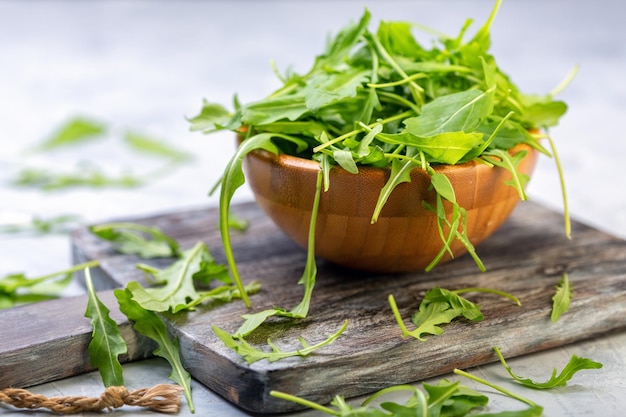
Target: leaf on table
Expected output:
[251,354]
[439,306]
[74,131]
[561,299]
[574,365]
[60,224]
[178,289]
[88,176]
[149,324]
[106,341]
[430,317]
[151,146]
[129,238]
[18,289]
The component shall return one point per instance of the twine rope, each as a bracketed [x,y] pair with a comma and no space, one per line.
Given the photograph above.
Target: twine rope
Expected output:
[163,398]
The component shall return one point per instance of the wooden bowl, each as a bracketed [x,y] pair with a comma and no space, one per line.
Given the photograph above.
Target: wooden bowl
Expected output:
[405,237]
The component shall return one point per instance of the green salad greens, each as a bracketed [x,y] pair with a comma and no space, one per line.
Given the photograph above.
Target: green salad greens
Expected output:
[382,99]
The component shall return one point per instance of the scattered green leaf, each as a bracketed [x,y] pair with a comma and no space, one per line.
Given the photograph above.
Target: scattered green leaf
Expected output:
[561,299]
[151,146]
[74,131]
[18,289]
[252,354]
[89,177]
[129,238]
[574,365]
[440,306]
[61,224]
[106,341]
[178,286]
[149,324]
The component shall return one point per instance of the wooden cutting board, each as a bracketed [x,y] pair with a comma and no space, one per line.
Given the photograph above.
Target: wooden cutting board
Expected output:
[526,257]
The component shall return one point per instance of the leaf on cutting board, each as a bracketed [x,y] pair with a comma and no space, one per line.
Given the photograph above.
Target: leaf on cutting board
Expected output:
[106,341]
[178,289]
[149,324]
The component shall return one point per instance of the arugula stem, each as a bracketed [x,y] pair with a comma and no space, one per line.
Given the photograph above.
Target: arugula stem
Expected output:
[395,98]
[565,82]
[496,387]
[71,270]
[355,132]
[409,78]
[310,269]
[416,90]
[559,168]
[303,402]
[489,290]
[396,314]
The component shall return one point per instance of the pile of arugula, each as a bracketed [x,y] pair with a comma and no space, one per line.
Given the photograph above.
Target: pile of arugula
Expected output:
[382,99]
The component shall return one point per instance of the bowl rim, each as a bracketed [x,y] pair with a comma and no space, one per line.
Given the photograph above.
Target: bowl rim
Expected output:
[296,162]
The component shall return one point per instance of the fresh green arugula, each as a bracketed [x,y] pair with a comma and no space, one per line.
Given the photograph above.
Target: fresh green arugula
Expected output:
[89,176]
[561,299]
[380,98]
[440,306]
[533,410]
[178,290]
[60,224]
[74,131]
[574,365]
[445,399]
[18,289]
[149,324]
[106,341]
[129,238]
[148,145]
[252,354]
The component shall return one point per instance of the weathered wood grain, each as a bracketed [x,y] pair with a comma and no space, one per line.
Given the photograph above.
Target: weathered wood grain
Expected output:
[48,341]
[526,257]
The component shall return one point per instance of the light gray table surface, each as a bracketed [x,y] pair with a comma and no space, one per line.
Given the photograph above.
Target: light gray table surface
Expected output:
[146,66]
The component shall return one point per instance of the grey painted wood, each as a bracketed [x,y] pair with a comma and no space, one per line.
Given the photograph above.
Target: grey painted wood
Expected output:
[526,258]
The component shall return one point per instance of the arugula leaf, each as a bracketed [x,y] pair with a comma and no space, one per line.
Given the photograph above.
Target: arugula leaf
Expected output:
[510,162]
[233,179]
[211,118]
[151,146]
[251,354]
[129,239]
[400,172]
[440,306]
[37,225]
[561,299]
[18,289]
[178,289]
[74,131]
[457,112]
[86,177]
[326,88]
[149,324]
[106,341]
[574,365]
[449,399]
